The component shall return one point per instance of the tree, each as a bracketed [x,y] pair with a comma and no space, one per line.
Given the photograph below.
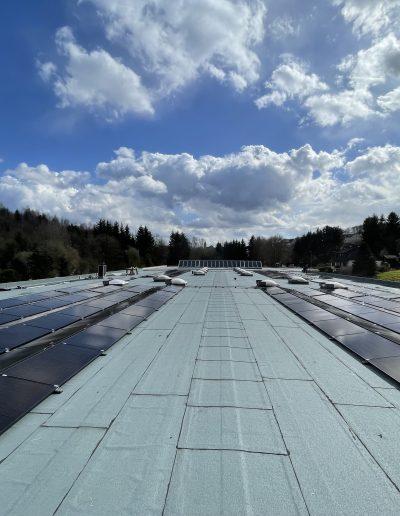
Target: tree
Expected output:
[364,264]
[178,248]
[251,249]
[392,233]
[373,235]
[145,244]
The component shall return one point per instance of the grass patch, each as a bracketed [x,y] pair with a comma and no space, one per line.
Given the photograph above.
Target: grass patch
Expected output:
[389,275]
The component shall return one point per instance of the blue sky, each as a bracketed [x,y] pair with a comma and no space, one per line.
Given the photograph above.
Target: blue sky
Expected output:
[222,117]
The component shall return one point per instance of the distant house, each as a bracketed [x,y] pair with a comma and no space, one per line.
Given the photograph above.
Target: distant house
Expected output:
[392,260]
[344,259]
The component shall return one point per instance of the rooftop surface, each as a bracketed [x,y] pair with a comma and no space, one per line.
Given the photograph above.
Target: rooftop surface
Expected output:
[222,402]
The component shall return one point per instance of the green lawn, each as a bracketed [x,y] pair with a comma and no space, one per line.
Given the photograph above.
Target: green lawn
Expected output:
[389,276]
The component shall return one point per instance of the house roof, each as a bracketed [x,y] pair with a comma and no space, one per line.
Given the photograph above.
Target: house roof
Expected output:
[221,402]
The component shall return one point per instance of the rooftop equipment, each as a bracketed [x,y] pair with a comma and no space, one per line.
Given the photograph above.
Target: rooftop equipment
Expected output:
[161,277]
[297,280]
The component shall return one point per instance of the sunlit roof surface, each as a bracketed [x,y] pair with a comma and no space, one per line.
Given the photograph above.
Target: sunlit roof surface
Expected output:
[221,402]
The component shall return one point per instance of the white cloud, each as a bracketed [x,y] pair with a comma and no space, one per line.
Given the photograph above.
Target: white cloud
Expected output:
[390,101]
[375,65]
[253,190]
[177,40]
[282,27]
[343,107]
[166,45]
[370,16]
[365,75]
[96,80]
[290,80]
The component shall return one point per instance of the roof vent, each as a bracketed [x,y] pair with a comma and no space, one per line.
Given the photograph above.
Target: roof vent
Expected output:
[161,277]
[297,280]
[117,281]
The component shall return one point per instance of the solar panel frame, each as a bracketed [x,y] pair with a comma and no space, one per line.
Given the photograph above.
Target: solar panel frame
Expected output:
[139,310]
[388,365]
[381,318]
[25,310]
[6,318]
[339,326]
[20,396]
[369,345]
[96,337]
[54,321]
[82,311]
[53,366]
[121,321]
[20,334]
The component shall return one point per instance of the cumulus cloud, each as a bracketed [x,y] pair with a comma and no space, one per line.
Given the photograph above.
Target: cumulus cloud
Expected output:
[375,65]
[343,107]
[253,190]
[290,80]
[95,80]
[365,75]
[176,41]
[370,16]
[166,46]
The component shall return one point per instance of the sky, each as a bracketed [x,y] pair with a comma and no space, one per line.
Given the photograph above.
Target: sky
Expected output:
[221,118]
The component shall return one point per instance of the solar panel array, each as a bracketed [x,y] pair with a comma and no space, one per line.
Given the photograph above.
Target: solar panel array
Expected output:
[220,264]
[376,349]
[28,382]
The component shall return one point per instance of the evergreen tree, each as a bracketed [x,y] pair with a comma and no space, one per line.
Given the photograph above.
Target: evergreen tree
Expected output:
[178,248]
[364,264]
[392,233]
[145,244]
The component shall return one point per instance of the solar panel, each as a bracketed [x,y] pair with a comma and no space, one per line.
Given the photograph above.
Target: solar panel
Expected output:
[359,309]
[19,397]
[381,318]
[89,295]
[120,296]
[152,300]
[318,315]
[286,297]
[54,365]
[107,289]
[81,311]
[101,303]
[73,298]
[389,366]
[7,303]
[138,289]
[369,345]
[25,310]
[139,311]
[54,321]
[6,318]
[346,293]
[274,291]
[50,304]
[338,303]
[18,335]
[122,321]
[327,298]
[394,327]
[172,288]
[96,337]
[6,422]
[339,326]
[303,306]
[32,298]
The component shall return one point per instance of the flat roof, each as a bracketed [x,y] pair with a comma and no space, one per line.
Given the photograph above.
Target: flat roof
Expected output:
[221,402]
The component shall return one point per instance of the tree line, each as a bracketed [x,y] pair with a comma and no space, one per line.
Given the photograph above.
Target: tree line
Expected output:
[34,245]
